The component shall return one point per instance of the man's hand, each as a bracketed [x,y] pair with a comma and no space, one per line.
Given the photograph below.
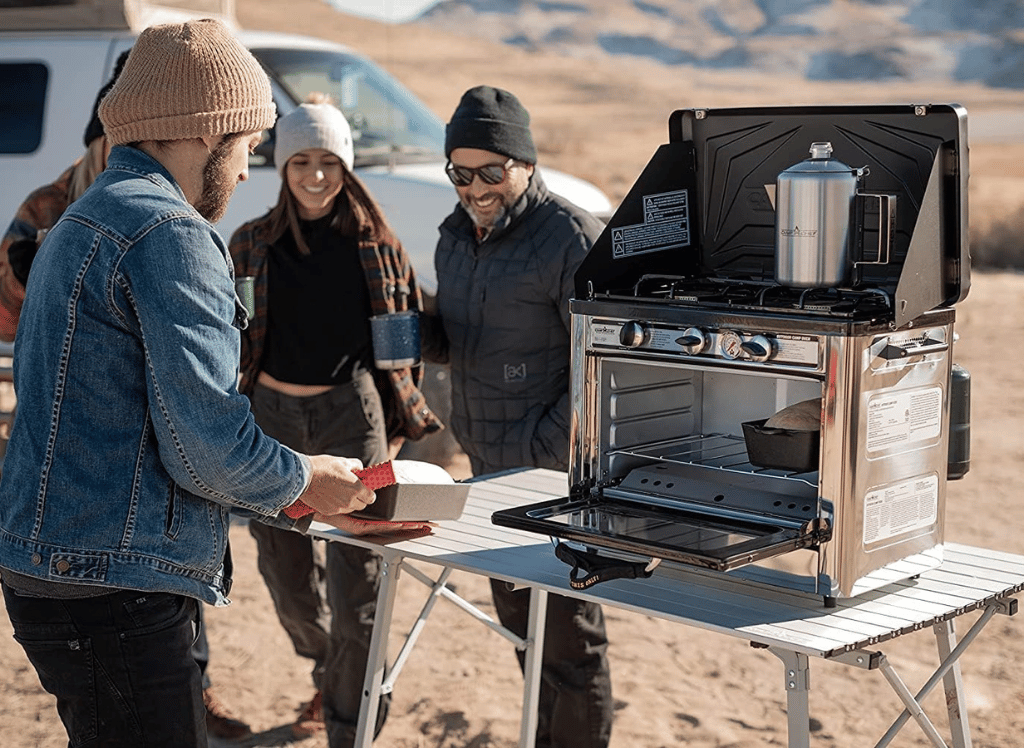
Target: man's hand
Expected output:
[357,526]
[334,489]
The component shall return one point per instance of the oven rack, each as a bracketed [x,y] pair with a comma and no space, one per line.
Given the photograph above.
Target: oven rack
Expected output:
[713,451]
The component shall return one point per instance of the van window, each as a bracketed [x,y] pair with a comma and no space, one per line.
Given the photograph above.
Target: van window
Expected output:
[22,98]
[389,124]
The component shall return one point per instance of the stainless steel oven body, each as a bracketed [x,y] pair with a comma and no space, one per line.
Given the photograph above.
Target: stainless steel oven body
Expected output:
[658,426]
[685,339]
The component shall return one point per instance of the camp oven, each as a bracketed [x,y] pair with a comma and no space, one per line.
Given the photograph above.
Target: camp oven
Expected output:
[688,335]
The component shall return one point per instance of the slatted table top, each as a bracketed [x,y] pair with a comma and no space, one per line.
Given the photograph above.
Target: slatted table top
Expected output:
[969,578]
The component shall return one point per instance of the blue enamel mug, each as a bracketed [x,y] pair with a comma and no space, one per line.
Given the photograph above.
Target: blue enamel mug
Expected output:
[396,339]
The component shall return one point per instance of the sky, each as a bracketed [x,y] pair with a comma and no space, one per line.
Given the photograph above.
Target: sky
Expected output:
[392,11]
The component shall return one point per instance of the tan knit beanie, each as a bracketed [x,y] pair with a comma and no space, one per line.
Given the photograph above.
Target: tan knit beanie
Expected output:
[187,80]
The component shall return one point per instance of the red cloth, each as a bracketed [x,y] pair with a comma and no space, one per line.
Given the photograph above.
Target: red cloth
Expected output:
[373,477]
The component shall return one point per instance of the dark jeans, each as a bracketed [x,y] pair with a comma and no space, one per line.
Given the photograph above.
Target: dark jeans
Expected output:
[201,649]
[575,705]
[575,708]
[120,666]
[304,579]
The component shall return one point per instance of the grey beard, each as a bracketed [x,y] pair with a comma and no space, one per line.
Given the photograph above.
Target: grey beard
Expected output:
[499,222]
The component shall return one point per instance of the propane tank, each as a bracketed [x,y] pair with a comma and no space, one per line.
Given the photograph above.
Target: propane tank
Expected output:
[959,460]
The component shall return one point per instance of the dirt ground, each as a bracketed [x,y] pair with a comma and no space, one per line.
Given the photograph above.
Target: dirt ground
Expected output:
[461,688]
[673,685]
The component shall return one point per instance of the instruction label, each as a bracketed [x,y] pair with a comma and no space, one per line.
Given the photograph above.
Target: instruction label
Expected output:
[666,226]
[796,349]
[904,418]
[901,507]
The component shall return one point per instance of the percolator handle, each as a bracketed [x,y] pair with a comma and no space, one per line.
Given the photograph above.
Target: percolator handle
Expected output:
[886,226]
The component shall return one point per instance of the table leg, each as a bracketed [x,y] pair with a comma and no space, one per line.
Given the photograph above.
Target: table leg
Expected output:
[953,685]
[913,706]
[798,686]
[532,669]
[945,666]
[377,659]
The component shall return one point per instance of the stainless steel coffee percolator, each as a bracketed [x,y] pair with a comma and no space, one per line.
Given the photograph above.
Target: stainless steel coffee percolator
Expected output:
[818,238]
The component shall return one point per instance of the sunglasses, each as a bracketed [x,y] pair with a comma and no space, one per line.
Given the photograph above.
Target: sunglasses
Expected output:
[462,176]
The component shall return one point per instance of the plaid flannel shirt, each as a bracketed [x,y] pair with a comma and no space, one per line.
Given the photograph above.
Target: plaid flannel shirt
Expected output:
[392,286]
[40,211]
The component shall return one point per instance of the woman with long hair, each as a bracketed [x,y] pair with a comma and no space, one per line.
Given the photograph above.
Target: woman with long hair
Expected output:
[321,262]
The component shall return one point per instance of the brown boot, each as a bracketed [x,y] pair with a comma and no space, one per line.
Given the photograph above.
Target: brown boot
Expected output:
[219,721]
[311,720]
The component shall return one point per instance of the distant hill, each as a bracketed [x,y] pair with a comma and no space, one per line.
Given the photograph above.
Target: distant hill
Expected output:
[976,41]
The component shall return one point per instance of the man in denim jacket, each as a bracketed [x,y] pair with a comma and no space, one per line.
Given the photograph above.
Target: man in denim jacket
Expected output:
[132,443]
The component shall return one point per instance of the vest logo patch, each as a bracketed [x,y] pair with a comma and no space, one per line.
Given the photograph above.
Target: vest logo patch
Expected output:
[515,373]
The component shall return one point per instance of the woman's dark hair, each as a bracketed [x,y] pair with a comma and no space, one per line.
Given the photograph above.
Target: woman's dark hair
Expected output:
[356,214]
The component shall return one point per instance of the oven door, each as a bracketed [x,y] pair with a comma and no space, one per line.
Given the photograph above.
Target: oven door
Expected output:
[685,534]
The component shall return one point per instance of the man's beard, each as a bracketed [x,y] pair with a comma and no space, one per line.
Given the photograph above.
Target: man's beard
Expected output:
[498,220]
[218,184]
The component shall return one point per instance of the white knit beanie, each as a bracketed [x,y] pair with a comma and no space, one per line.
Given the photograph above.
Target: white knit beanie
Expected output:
[187,80]
[312,126]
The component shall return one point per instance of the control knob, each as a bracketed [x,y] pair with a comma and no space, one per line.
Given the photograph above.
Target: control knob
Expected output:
[757,348]
[693,341]
[632,335]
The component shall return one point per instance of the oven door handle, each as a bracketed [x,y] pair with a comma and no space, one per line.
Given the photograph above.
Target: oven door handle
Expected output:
[588,568]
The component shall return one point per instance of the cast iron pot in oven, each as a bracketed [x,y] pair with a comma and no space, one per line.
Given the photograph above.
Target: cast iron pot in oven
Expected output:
[781,449]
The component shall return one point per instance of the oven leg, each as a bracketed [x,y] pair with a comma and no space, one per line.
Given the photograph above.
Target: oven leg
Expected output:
[534,646]
[376,661]
[798,687]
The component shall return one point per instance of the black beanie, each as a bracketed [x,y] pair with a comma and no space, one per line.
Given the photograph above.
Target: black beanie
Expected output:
[492,120]
[95,128]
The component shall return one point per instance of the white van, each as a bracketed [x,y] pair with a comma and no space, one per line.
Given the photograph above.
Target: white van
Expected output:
[55,56]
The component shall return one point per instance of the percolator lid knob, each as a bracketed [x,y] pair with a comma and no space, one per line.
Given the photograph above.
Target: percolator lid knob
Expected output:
[821,150]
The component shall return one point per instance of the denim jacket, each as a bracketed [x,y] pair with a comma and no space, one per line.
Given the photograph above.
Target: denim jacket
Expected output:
[131,441]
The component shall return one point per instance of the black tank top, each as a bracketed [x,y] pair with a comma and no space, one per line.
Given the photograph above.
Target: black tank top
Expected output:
[318,321]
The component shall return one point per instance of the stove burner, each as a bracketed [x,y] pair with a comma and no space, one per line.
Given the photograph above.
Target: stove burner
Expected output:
[842,301]
[697,295]
[729,293]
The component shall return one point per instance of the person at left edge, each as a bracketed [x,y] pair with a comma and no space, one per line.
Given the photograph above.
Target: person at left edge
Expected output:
[132,443]
[33,220]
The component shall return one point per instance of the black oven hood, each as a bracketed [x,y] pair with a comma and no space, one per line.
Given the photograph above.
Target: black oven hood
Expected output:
[703,206]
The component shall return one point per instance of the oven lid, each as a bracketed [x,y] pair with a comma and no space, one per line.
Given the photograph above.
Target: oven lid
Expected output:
[675,533]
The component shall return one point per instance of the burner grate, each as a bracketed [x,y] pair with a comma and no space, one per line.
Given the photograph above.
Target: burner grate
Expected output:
[723,293]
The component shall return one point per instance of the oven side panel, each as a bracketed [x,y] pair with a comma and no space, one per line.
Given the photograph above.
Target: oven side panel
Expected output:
[889,489]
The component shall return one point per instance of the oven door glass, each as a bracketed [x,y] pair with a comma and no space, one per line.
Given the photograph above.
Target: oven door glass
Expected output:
[682,535]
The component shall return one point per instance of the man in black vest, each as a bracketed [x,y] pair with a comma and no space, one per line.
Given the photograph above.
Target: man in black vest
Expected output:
[505,262]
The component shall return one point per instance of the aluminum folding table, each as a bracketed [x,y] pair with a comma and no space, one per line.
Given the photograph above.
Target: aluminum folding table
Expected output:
[793,626]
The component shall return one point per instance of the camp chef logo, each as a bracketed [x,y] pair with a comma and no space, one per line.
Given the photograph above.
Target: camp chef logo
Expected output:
[515,373]
[799,232]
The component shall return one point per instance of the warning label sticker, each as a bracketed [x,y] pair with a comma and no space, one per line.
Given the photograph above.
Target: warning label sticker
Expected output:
[666,226]
[904,418]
